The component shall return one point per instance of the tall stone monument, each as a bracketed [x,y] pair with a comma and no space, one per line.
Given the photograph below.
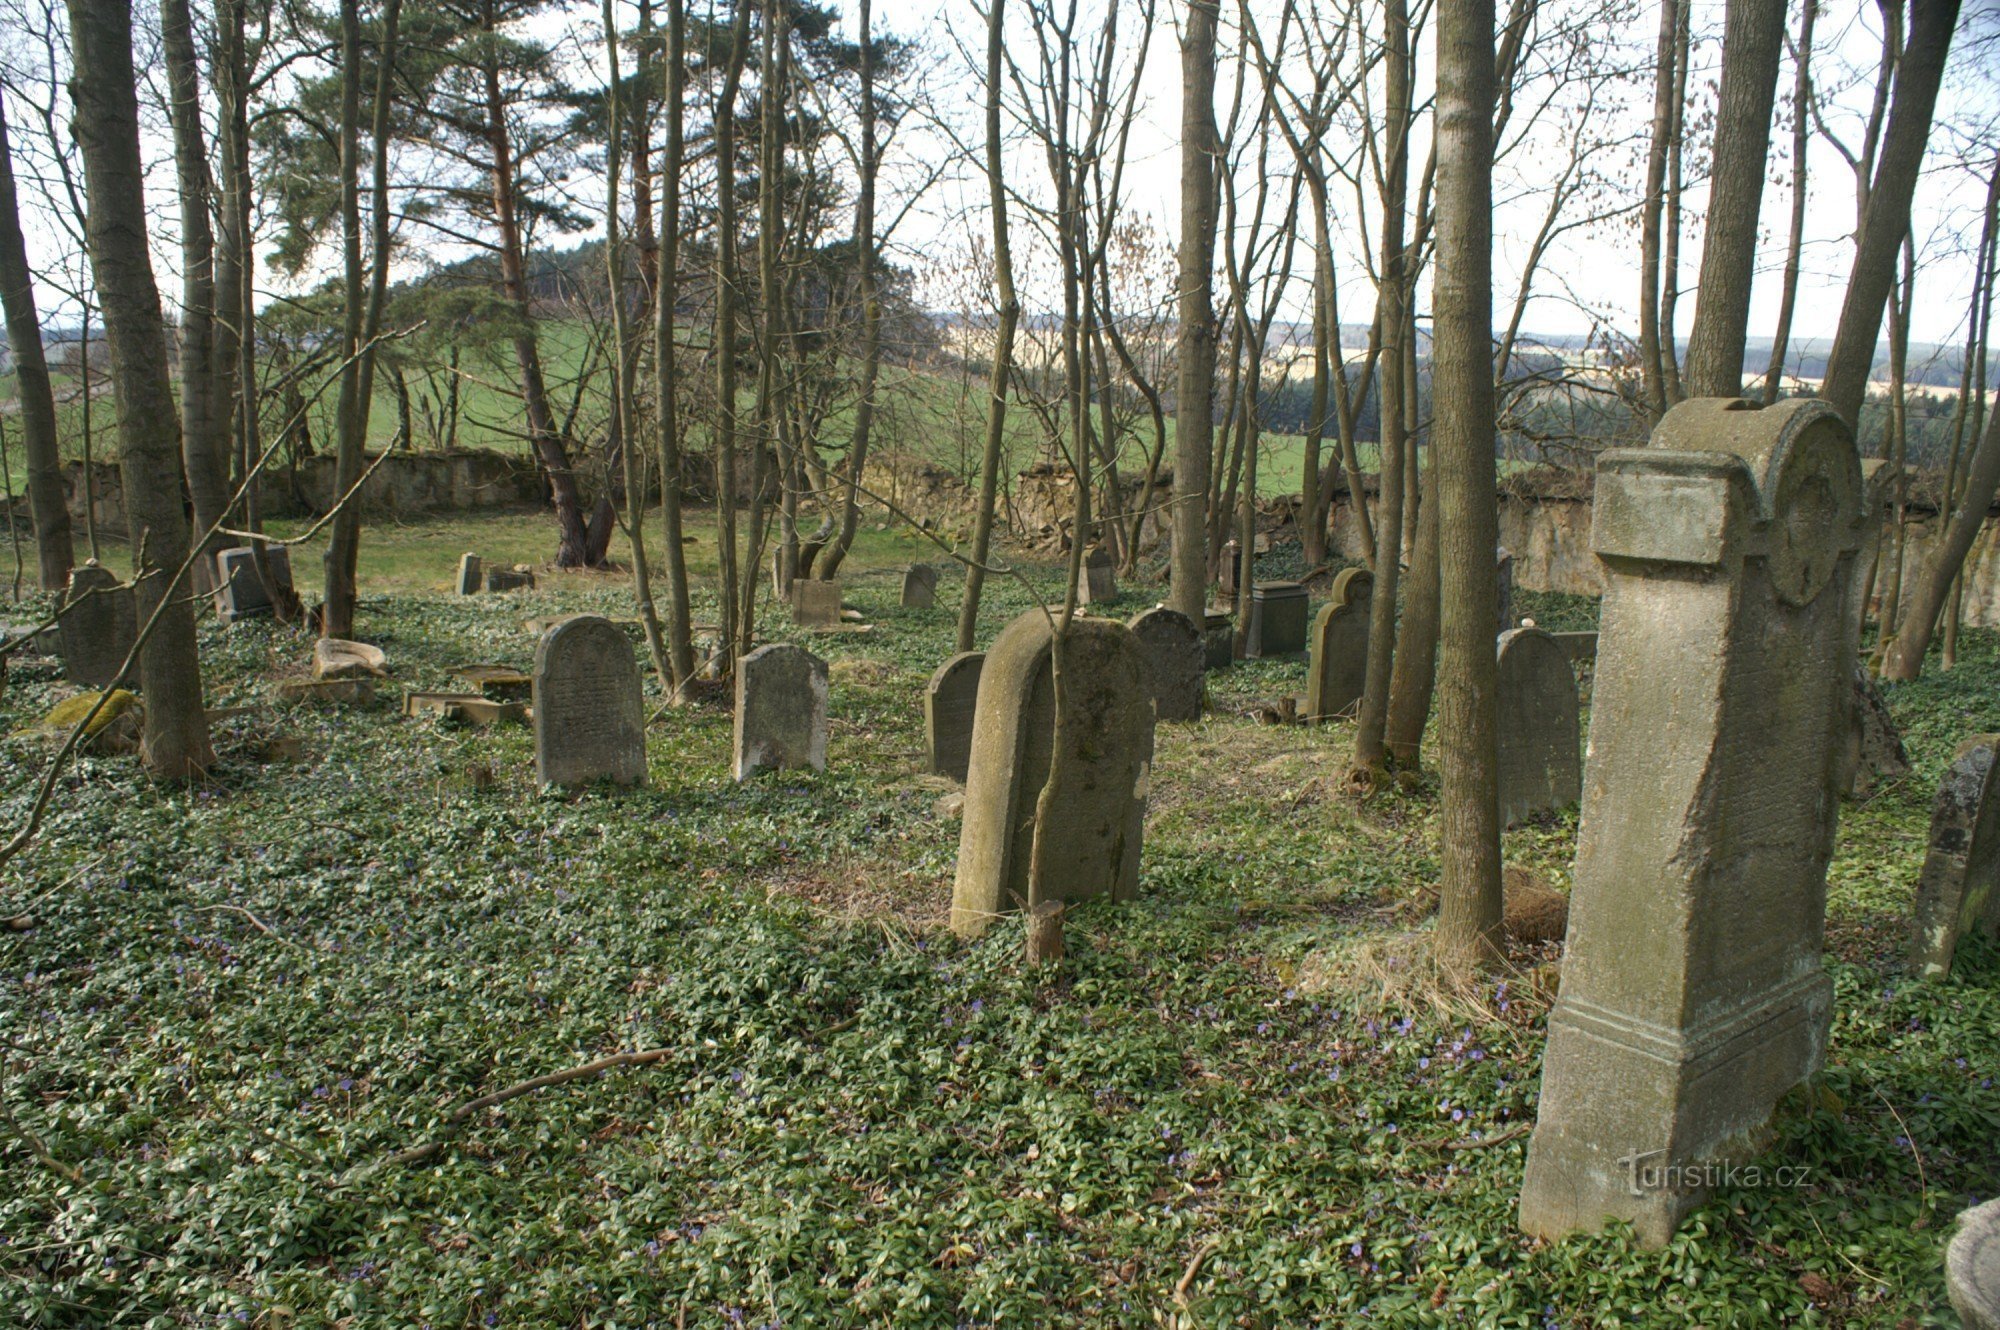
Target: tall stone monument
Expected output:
[1176,658]
[1339,647]
[98,627]
[1095,821]
[780,709]
[1540,768]
[1693,997]
[1959,891]
[951,700]
[590,720]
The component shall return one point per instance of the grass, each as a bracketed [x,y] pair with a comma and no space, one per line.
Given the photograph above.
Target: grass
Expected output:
[239,998]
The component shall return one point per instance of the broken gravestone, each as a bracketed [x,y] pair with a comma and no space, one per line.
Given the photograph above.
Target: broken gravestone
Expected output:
[1277,620]
[1098,583]
[780,710]
[518,578]
[1959,891]
[815,603]
[98,627]
[1176,657]
[1093,822]
[1693,995]
[590,719]
[1339,667]
[920,587]
[469,571]
[338,658]
[951,699]
[1539,770]
[240,592]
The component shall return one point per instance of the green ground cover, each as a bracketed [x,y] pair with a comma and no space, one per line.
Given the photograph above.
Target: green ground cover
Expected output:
[240,998]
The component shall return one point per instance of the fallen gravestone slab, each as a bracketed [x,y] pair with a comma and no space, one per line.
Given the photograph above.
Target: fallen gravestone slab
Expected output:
[1540,769]
[469,572]
[518,578]
[920,587]
[1972,1268]
[337,658]
[1093,825]
[98,627]
[1959,890]
[590,717]
[472,708]
[503,682]
[1339,665]
[951,700]
[780,710]
[1176,658]
[1693,994]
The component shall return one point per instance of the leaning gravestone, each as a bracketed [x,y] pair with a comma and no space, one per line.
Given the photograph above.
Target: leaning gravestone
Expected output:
[816,604]
[1539,768]
[780,710]
[590,720]
[1176,657]
[240,592]
[920,587]
[1339,667]
[1693,995]
[951,700]
[1097,815]
[97,633]
[1959,891]
[1098,583]
[469,571]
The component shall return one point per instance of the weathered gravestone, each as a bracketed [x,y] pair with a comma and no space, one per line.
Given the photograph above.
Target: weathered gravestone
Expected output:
[1098,583]
[1503,581]
[816,604]
[517,578]
[1225,575]
[99,627]
[1972,1268]
[1693,996]
[1097,816]
[1959,891]
[1277,620]
[780,710]
[1176,657]
[240,592]
[920,587]
[1218,630]
[951,700]
[1339,666]
[1540,770]
[590,720]
[470,569]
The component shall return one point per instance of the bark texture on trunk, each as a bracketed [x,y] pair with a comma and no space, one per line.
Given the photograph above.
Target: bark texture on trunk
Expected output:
[1194,406]
[54,550]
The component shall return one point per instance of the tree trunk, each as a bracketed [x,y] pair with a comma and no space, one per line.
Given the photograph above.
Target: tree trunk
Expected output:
[1788,293]
[1933,586]
[666,296]
[351,414]
[54,552]
[1918,74]
[1194,407]
[104,91]
[1651,373]
[723,346]
[1414,680]
[1468,927]
[1753,34]
[871,306]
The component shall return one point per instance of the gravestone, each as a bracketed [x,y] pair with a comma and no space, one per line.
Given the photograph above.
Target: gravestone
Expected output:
[240,592]
[920,587]
[590,719]
[1225,575]
[1972,1268]
[1503,579]
[510,579]
[780,710]
[1959,890]
[1218,630]
[1097,815]
[1339,667]
[951,700]
[1277,620]
[1176,657]
[816,604]
[98,632]
[1098,584]
[1540,770]
[1693,996]
[469,571]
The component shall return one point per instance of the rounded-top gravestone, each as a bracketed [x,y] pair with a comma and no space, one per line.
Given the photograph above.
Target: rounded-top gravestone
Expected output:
[920,587]
[1176,657]
[951,700]
[1972,1268]
[1339,669]
[1959,889]
[780,710]
[590,720]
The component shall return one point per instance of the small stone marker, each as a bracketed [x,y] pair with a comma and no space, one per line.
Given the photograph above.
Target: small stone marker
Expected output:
[517,578]
[920,587]
[1218,630]
[951,700]
[1097,817]
[1959,890]
[469,571]
[816,604]
[780,710]
[1339,668]
[1098,583]
[1540,770]
[1225,575]
[98,633]
[590,719]
[239,592]
[1693,994]
[1176,657]
[1972,1268]
[1277,620]
[1503,578]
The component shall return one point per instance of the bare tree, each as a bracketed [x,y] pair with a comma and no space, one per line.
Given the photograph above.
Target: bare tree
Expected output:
[53,551]
[1194,418]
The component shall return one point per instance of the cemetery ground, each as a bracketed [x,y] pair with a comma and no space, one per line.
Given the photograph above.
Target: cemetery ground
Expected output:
[239,1004]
